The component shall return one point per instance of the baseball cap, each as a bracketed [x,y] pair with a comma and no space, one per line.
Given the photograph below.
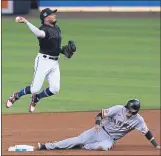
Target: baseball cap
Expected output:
[46,12]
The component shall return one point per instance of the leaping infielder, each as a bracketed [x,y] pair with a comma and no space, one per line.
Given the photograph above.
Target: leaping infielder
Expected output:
[47,61]
[111,125]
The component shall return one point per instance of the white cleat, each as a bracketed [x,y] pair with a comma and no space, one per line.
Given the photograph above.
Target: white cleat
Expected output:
[32,105]
[9,103]
[38,146]
[11,100]
[31,108]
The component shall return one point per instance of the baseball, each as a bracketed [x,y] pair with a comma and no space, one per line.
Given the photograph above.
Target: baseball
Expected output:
[17,18]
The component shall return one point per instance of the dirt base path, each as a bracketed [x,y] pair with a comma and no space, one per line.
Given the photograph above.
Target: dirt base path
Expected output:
[47,127]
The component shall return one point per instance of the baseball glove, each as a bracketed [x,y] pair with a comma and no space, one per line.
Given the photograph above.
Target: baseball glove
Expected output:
[69,50]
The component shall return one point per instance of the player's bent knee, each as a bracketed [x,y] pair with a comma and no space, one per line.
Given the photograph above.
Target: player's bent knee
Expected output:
[54,90]
[35,89]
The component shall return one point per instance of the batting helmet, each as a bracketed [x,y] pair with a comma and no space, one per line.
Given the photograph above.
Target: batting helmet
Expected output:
[133,106]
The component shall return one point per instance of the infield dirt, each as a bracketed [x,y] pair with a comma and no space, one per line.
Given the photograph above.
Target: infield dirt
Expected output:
[48,127]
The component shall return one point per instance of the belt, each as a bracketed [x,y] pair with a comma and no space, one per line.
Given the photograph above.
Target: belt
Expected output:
[51,58]
[107,132]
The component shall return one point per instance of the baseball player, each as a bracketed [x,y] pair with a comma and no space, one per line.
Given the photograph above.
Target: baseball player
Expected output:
[111,125]
[46,62]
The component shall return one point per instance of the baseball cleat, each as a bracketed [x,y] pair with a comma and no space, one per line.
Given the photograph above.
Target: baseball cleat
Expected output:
[11,100]
[41,146]
[32,105]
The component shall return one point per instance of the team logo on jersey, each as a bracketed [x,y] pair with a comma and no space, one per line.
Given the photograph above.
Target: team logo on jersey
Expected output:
[119,124]
[116,123]
[127,126]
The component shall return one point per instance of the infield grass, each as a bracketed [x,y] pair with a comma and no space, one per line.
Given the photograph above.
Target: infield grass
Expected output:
[116,59]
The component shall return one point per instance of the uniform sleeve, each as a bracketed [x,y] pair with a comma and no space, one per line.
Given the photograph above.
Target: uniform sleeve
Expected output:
[35,30]
[110,111]
[47,34]
[142,127]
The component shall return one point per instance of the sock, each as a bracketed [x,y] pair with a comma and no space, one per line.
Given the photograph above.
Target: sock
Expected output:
[43,147]
[24,91]
[44,93]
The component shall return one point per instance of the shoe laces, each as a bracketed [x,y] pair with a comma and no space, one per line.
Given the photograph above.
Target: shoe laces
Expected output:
[14,97]
[34,99]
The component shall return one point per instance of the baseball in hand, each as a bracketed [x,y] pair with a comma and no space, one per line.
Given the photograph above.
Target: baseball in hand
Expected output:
[17,18]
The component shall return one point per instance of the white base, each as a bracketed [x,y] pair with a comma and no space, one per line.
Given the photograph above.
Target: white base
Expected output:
[21,148]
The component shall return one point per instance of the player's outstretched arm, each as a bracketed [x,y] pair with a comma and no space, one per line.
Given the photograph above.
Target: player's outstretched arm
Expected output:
[35,30]
[150,137]
[142,127]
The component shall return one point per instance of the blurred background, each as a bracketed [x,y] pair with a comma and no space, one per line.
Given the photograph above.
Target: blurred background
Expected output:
[24,7]
[118,53]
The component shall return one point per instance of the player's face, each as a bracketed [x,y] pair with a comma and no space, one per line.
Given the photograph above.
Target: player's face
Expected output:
[128,113]
[52,18]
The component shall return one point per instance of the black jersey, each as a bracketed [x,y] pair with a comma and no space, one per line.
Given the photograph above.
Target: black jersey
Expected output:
[51,44]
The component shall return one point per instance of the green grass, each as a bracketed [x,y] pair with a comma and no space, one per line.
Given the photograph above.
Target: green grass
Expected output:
[116,59]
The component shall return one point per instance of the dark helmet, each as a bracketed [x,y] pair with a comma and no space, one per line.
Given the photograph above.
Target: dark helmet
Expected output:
[133,106]
[46,12]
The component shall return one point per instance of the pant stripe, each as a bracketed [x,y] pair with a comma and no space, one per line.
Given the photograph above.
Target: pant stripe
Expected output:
[46,92]
[37,64]
[108,133]
[24,91]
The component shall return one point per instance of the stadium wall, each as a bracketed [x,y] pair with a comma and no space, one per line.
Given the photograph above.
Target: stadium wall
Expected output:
[101,6]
